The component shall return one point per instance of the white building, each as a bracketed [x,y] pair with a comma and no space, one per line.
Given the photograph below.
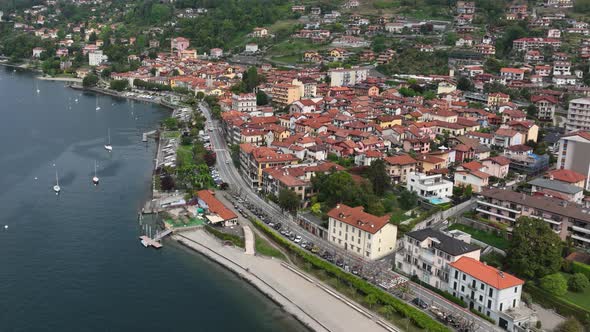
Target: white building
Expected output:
[251,48]
[427,253]
[1,14]
[244,102]
[347,77]
[488,290]
[429,187]
[578,115]
[96,58]
[574,153]
[361,233]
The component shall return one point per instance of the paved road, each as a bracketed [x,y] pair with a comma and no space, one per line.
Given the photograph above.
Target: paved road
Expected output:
[381,268]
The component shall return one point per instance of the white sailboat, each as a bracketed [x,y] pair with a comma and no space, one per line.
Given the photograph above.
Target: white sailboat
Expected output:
[95,178]
[97,107]
[37,86]
[108,146]
[56,188]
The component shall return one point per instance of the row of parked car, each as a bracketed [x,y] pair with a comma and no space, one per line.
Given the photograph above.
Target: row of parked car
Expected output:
[169,153]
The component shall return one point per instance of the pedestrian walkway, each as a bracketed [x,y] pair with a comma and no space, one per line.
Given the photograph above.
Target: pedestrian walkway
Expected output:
[303,298]
[249,239]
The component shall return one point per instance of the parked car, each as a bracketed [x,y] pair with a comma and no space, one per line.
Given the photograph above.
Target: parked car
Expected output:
[420,303]
[298,239]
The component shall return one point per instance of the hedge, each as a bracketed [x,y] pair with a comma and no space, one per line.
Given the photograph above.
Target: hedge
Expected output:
[562,307]
[417,317]
[440,292]
[578,267]
[483,316]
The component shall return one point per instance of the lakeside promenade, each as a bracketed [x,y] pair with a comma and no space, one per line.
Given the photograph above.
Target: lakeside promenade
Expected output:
[311,302]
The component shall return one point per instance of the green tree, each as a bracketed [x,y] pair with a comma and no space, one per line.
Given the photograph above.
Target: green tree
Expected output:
[200,95]
[90,80]
[250,79]
[378,177]
[535,250]
[289,200]
[261,98]
[408,200]
[119,85]
[578,282]
[555,284]
[171,123]
[569,325]
[371,300]
[464,84]
[492,65]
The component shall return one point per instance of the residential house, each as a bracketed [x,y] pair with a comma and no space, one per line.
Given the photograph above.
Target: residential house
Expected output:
[489,291]
[432,188]
[497,166]
[557,189]
[398,167]
[427,253]
[361,233]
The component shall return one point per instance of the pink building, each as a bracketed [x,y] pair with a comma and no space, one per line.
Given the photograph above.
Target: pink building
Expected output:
[497,166]
[179,44]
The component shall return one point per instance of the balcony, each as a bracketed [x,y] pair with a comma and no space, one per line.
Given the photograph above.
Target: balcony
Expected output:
[497,206]
[495,214]
[581,229]
[581,238]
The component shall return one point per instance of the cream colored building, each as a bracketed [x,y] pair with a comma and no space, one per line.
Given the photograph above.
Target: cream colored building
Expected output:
[361,233]
[285,94]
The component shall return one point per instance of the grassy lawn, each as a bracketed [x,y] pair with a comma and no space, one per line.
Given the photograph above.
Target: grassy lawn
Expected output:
[288,59]
[486,237]
[184,155]
[398,215]
[282,24]
[292,46]
[184,222]
[263,247]
[170,134]
[580,299]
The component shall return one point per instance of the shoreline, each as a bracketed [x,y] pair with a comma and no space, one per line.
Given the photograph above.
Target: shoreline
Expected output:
[184,243]
[118,95]
[269,277]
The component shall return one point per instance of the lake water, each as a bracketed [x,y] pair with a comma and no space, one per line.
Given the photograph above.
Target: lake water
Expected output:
[73,262]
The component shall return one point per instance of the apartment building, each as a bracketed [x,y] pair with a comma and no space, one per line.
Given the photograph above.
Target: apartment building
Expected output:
[254,159]
[511,74]
[285,94]
[348,77]
[361,233]
[398,167]
[574,152]
[430,187]
[244,102]
[427,253]
[565,219]
[578,115]
[487,290]
[528,43]
[523,160]
[546,106]
[557,189]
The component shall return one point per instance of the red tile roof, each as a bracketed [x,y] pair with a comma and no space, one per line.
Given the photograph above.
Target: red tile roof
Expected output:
[215,206]
[566,175]
[356,217]
[472,166]
[501,160]
[403,159]
[485,273]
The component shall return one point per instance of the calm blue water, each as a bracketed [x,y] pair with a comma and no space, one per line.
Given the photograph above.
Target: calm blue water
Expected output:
[73,262]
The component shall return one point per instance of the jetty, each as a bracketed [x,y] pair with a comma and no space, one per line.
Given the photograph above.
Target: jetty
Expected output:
[146,241]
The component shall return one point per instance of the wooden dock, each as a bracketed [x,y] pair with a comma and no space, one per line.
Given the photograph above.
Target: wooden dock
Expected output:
[150,242]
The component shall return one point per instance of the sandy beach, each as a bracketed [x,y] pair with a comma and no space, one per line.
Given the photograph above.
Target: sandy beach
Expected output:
[310,301]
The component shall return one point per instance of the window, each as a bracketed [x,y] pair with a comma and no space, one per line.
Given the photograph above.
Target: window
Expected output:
[456,274]
[480,299]
[462,288]
[501,305]
[515,290]
[489,305]
[482,286]
[491,292]
[514,303]
[455,285]
[464,277]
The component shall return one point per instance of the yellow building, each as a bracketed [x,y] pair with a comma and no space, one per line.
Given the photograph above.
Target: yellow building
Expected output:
[285,94]
[361,233]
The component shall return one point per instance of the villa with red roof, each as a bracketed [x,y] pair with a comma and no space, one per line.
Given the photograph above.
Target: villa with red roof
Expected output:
[215,212]
[361,233]
[487,290]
